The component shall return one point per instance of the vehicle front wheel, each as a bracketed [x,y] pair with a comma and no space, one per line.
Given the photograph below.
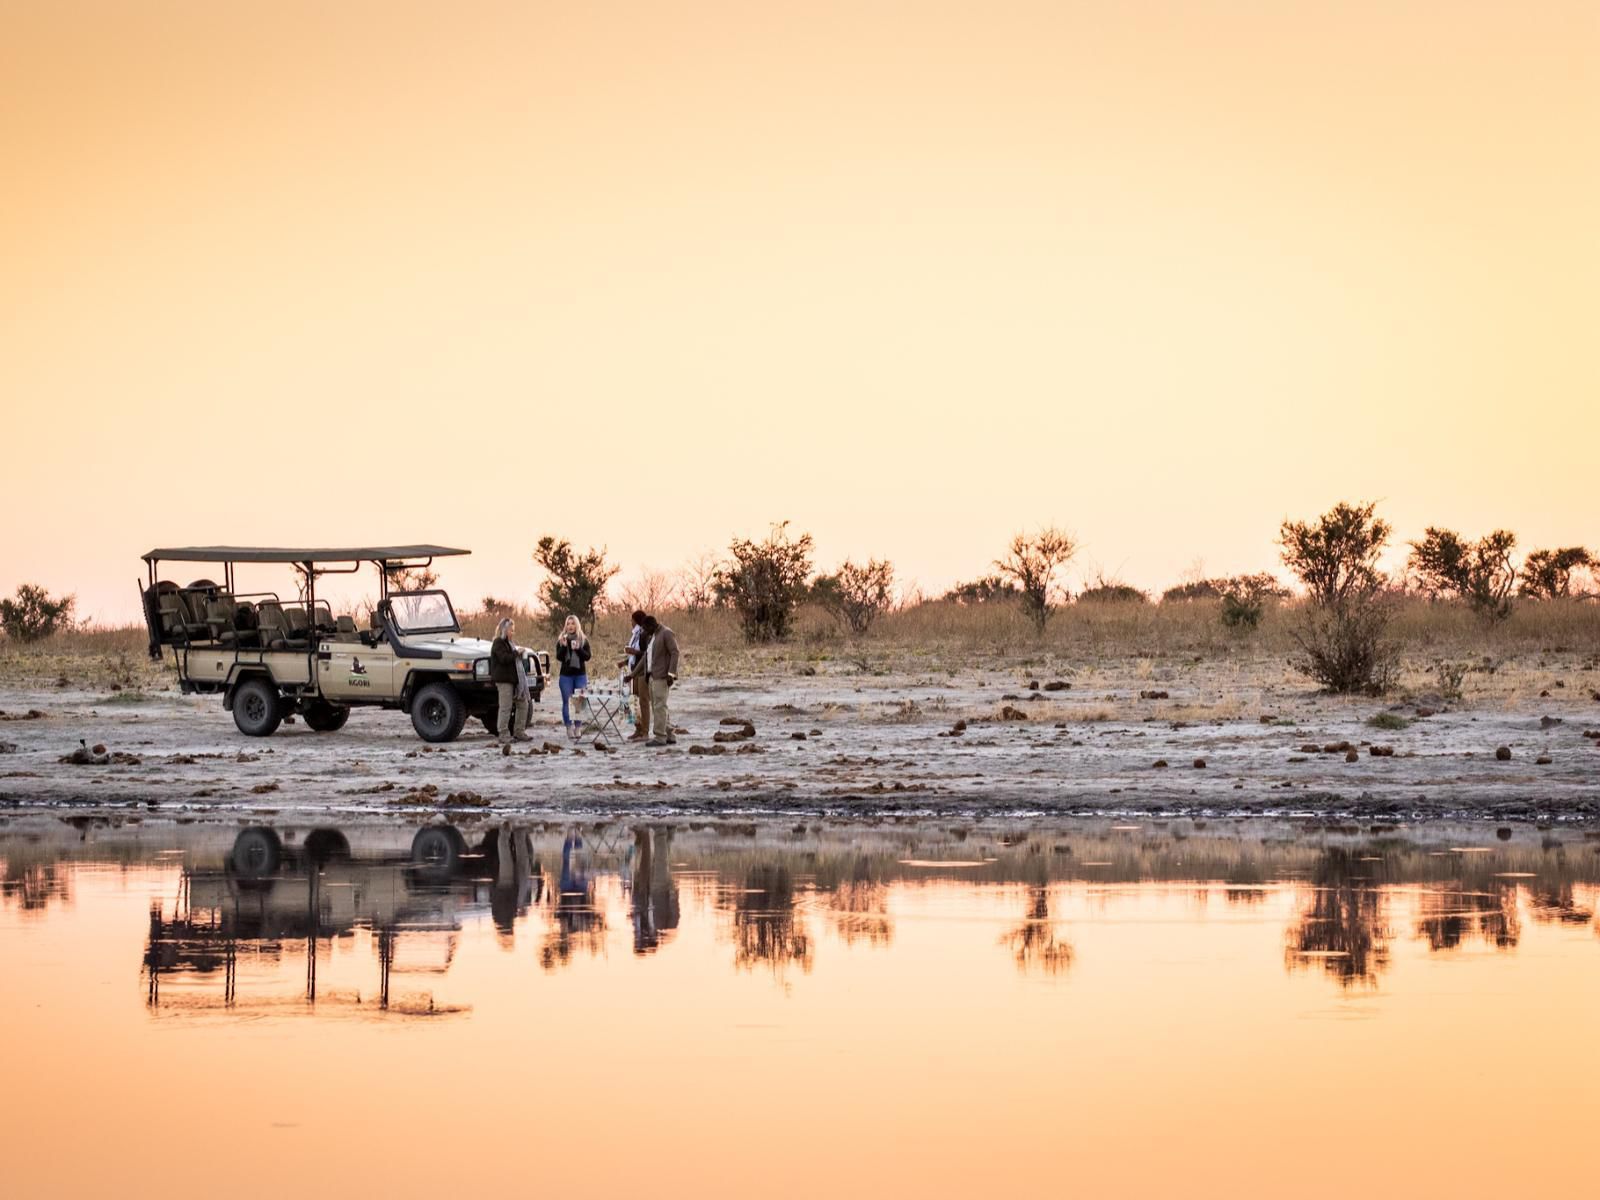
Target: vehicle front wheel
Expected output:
[326,718]
[256,852]
[438,713]
[255,708]
[436,853]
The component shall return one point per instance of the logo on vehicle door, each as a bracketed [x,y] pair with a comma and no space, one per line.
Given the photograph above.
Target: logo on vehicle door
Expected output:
[358,674]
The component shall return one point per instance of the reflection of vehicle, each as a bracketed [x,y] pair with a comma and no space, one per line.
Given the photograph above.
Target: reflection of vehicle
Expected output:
[270,659]
[266,900]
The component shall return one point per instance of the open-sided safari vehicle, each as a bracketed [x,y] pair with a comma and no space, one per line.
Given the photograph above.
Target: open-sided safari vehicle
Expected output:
[270,659]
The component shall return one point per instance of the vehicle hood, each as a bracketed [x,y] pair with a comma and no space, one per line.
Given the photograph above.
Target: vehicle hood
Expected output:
[450,644]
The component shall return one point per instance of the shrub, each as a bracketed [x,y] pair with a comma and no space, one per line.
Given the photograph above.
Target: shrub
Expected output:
[33,614]
[1480,572]
[1388,720]
[412,579]
[1031,564]
[1547,575]
[765,581]
[697,583]
[574,583]
[1341,631]
[1197,589]
[1245,598]
[856,596]
[984,590]
[1111,591]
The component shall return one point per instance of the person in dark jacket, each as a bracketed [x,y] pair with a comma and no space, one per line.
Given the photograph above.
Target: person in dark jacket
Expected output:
[573,651]
[659,666]
[506,672]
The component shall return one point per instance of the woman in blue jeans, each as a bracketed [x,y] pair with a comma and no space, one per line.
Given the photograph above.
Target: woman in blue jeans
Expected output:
[572,651]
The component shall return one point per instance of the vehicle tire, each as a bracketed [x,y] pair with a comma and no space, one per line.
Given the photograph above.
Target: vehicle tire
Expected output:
[436,853]
[438,713]
[256,708]
[256,852]
[325,846]
[323,717]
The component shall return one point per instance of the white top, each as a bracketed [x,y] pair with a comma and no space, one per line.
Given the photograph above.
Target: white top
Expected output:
[633,646]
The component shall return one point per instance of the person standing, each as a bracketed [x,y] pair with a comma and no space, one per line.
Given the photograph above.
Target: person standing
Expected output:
[641,686]
[573,651]
[510,678]
[659,666]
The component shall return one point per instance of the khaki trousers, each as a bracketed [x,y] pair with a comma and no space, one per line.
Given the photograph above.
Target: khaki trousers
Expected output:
[660,717]
[641,689]
[513,712]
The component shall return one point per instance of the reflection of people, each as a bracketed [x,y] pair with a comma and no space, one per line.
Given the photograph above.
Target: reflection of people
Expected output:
[510,678]
[512,890]
[655,893]
[659,666]
[641,686]
[577,918]
[573,651]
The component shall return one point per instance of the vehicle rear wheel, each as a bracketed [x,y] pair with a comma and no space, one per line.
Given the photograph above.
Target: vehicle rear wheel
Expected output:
[326,718]
[255,708]
[438,713]
[256,852]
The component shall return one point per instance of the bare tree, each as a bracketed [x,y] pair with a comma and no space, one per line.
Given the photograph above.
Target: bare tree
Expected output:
[697,582]
[653,592]
[1031,564]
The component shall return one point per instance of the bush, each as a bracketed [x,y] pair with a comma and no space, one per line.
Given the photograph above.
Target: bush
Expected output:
[33,614]
[1341,632]
[1198,589]
[1478,572]
[1111,591]
[855,596]
[1245,598]
[574,583]
[1547,575]
[764,582]
[985,590]
[1031,564]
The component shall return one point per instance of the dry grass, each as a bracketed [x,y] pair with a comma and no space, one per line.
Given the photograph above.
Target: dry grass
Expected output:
[1125,642]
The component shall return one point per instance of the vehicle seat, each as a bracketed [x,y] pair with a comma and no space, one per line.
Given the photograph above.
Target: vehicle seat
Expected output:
[345,630]
[275,631]
[178,620]
[299,623]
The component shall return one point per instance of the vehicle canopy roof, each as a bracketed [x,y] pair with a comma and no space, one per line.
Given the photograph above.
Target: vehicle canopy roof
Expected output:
[299,555]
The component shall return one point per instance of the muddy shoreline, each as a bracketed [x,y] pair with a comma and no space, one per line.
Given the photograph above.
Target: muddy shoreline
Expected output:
[891,748]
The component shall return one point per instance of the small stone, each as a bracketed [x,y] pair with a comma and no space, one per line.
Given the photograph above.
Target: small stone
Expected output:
[798,736]
[1152,694]
[99,748]
[1308,748]
[1503,753]
[1199,764]
[1544,760]
[1352,755]
[1160,762]
[1549,722]
[1427,712]
[1381,751]
[1012,714]
[1057,685]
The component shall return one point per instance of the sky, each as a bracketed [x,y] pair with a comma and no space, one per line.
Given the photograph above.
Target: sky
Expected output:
[912,276]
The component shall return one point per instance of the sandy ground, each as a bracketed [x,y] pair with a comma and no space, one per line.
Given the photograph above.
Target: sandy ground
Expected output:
[857,745]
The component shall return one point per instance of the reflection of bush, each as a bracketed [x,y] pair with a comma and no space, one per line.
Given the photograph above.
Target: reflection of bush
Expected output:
[1342,926]
[860,912]
[1034,941]
[1452,915]
[764,926]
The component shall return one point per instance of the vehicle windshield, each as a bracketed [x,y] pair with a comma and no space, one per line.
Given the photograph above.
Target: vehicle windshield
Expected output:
[423,612]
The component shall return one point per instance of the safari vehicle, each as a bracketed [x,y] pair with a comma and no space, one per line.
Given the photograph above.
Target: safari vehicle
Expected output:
[270,659]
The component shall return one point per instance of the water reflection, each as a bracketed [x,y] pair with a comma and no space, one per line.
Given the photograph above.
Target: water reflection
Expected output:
[373,918]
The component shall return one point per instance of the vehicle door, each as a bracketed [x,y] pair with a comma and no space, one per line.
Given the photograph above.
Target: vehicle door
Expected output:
[353,672]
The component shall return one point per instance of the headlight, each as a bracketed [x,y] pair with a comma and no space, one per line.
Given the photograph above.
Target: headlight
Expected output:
[480,669]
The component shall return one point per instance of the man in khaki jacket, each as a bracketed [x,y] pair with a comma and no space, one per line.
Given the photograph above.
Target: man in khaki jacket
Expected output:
[659,666]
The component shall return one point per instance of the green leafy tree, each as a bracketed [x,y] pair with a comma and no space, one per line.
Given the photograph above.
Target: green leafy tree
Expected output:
[764,582]
[574,583]
[1547,575]
[33,614]
[1480,572]
[1341,633]
[856,596]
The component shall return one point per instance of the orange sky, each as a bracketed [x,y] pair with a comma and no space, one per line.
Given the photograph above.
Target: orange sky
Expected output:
[913,275]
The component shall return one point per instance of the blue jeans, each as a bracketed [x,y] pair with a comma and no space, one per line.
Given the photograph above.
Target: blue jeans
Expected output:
[570,684]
